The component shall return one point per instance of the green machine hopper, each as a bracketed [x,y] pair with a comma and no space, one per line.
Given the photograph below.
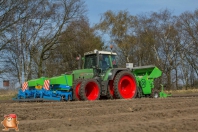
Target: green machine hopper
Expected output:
[145,76]
[36,83]
[63,82]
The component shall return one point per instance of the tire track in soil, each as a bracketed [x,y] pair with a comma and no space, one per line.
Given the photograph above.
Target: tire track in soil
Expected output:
[170,114]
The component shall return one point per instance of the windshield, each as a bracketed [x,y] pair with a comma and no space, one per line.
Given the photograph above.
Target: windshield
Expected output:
[90,61]
[108,61]
[105,62]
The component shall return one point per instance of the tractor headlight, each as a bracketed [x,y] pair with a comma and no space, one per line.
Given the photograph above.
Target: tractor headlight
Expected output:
[110,73]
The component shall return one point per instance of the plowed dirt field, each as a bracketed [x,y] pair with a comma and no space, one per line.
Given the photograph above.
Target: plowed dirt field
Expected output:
[136,115]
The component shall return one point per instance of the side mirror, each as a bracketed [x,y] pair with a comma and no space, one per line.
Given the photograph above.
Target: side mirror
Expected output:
[79,58]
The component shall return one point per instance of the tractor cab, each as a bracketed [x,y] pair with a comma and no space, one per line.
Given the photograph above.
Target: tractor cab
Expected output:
[100,60]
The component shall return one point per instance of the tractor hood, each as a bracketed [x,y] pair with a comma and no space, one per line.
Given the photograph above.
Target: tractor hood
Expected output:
[83,73]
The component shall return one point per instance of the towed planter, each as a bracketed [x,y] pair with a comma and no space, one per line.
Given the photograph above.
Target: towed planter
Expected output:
[41,90]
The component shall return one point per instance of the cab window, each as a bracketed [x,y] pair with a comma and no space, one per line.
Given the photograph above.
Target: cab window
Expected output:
[114,61]
[90,61]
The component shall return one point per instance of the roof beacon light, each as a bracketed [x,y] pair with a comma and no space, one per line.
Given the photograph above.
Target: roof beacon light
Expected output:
[95,50]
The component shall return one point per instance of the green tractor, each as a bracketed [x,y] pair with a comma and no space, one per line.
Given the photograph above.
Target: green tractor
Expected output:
[100,76]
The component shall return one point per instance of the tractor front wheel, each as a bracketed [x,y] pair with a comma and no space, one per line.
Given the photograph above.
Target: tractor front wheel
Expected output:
[76,88]
[125,85]
[110,91]
[89,90]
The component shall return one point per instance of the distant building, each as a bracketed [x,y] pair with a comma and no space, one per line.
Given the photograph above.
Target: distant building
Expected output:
[6,83]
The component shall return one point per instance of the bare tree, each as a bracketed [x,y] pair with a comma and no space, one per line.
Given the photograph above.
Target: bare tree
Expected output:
[120,27]
[11,12]
[167,43]
[188,28]
[145,39]
[65,12]
[34,37]
[77,39]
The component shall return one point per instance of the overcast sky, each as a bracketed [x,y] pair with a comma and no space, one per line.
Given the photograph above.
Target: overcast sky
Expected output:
[98,7]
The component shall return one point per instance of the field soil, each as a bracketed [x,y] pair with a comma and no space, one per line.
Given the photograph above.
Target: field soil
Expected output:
[137,115]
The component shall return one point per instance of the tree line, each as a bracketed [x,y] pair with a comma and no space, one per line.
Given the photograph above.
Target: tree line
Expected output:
[43,38]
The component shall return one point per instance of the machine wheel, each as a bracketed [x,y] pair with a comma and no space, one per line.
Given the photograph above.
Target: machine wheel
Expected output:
[125,85]
[110,91]
[76,88]
[139,93]
[89,90]
[155,93]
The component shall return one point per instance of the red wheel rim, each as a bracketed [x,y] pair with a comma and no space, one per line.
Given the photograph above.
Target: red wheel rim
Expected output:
[77,90]
[111,91]
[92,91]
[127,87]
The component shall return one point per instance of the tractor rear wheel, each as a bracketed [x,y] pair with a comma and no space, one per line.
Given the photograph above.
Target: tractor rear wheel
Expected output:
[89,90]
[125,85]
[76,88]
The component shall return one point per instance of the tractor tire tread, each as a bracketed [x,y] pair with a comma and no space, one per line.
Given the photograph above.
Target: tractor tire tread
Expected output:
[75,83]
[109,95]
[82,89]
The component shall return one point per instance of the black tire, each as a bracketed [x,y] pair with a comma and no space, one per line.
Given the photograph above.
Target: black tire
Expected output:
[139,93]
[76,88]
[110,91]
[89,90]
[125,86]
[155,93]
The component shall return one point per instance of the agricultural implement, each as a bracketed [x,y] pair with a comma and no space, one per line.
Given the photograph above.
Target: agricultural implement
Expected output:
[35,89]
[42,89]
[99,77]
[163,94]
[145,76]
